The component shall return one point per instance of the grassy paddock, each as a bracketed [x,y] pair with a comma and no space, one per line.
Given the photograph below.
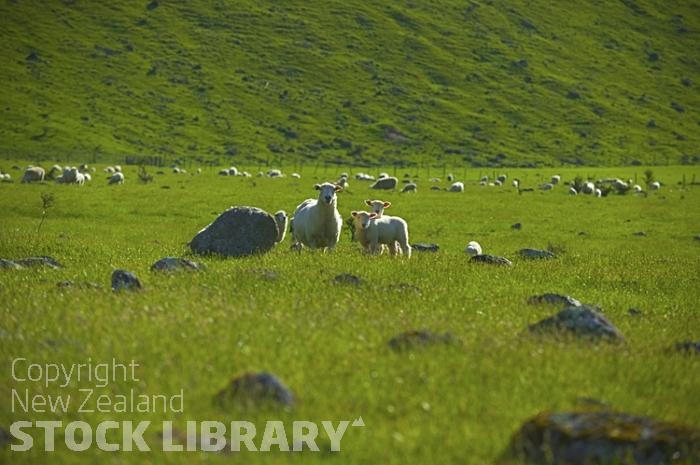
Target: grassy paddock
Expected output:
[281,313]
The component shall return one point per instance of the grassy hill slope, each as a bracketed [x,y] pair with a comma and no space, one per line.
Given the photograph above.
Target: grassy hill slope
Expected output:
[480,83]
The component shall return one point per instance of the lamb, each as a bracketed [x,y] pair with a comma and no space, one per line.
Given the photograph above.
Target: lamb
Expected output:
[116,178]
[473,248]
[655,186]
[317,223]
[555,179]
[456,187]
[378,206]
[282,222]
[375,231]
[33,174]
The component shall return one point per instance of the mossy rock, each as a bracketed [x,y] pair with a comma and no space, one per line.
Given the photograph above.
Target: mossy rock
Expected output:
[254,389]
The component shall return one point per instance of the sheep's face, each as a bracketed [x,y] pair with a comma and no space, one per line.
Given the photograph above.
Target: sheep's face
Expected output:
[378,206]
[473,248]
[327,192]
[362,219]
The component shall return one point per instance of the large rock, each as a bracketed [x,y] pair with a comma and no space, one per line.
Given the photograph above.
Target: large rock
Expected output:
[254,389]
[237,232]
[562,301]
[125,280]
[40,261]
[580,321]
[601,438]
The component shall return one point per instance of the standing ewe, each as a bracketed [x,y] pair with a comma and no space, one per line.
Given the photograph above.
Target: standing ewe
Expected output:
[374,231]
[317,223]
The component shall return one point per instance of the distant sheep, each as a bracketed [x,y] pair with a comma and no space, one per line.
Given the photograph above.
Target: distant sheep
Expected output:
[410,187]
[655,186]
[385,183]
[598,193]
[548,186]
[282,222]
[378,206]
[588,188]
[317,223]
[502,178]
[555,179]
[116,178]
[374,231]
[572,191]
[456,187]
[33,174]
[516,183]
[473,248]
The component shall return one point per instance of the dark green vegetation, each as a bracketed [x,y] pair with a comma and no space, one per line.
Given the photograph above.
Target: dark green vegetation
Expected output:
[464,83]
[457,401]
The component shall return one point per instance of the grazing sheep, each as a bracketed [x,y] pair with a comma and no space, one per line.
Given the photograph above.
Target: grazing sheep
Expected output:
[282,222]
[364,177]
[410,187]
[637,188]
[588,188]
[555,179]
[501,179]
[378,206]
[473,248]
[117,168]
[456,187]
[54,172]
[548,186]
[109,170]
[385,183]
[296,175]
[33,174]
[317,223]
[87,177]
[275,173]
[598,193]
[374,231]
[484,180]
[116,178]
[655,186]
[450,177]
[383,175]
[572,191]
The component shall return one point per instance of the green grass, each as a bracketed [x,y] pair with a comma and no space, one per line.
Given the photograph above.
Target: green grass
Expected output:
[328,343]
[488,83]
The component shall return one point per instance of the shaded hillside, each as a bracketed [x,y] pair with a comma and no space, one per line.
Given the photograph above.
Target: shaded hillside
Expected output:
[488,82]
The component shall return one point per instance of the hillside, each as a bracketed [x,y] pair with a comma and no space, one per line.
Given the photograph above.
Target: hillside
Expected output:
[478,83]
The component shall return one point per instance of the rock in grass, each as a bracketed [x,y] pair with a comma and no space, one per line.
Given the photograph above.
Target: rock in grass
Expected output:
[554,299]
[254,389]
[9,265]
[581,322]
[491,260]
[601,438]
[170,264]
[237,232]
[688,347]
[424,247]
[125,280]
[535,253]
[31,262]
[419,338]
[347,278]
[5,437]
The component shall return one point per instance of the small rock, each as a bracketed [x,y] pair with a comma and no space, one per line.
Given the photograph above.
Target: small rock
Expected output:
[419,338]
[554,299]
[491,260]
[517,226]
[347,278]
[603,438]
[170,264]
[639,233]
[251,389]
[125,280]
[425,247]
[9,264]
[697,238]
[583,322]
[535,253]
[405,287]
[634,312]
[85,285]
[5,437]
[688,347]
[30,262]
[237,232]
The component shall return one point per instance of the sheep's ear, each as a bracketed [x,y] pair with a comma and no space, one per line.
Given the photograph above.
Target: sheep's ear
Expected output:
[317,187]
[338,188]
[368,202]
[372,215]
[354,213]
[387,204]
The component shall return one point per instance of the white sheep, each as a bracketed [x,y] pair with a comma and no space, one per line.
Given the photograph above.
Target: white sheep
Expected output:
[282,222]
[655,186]
[33,174]
[374,231]
[555,179]
[385,182]
[637,188]
[378,206]
[473,248]
[598,193]
[317,223]
[410,187]
[588,188]
[516,183]
[572,191]
[116,178]
[502,179]
[456,187]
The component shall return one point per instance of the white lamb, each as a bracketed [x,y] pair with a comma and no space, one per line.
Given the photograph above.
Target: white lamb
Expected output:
[317,223]
[655,186]
[456,187]
[473,248]
[282,222]
[378,206]
[555,179]
[116,178]
[374,231]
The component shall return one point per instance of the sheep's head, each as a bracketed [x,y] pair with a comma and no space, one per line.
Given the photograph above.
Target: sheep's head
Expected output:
[362,219]
[327,192]
[473,248]
[378,206]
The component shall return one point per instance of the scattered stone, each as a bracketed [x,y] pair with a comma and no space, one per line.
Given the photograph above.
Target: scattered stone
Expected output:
[517,226]
[43,260]
[697,238]
[237,232]
[125,280]
[603,438]
[347,278]
[85,285]
[254,389]
[634,312]
[9,264]
[425,247]
[639,233]
[583,321]
[265,274]
[688,347]
[170,264]
[491,260]
[536,253]
[554,299]
[405,287]
[419,338]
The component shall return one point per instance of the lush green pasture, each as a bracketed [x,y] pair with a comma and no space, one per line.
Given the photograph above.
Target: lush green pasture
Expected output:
[281,312]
